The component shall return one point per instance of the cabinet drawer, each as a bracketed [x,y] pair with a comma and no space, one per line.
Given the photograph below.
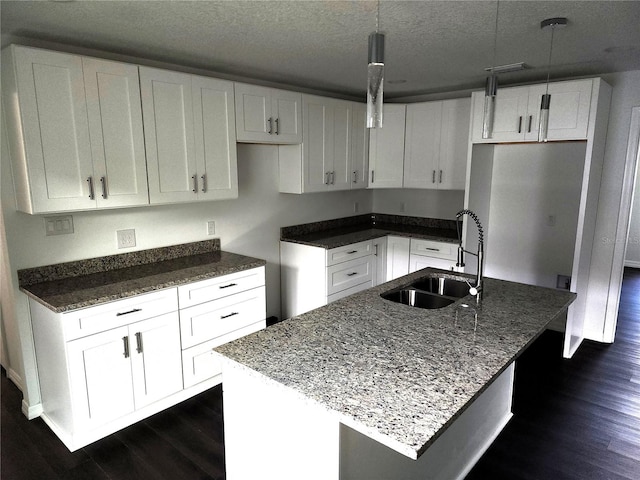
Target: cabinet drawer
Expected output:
[88,321]
[219,287]
[200,363]
[349,252]
[349,274]
[431,248]
[210,320]
[418,262]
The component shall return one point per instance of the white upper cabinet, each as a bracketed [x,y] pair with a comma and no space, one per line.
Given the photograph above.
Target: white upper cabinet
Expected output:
[76,131]
[454,144]
[386,149]
[517,111]
[190,139]
[333,153]
[267,115]
[117,139]
[360,144]
[422,145]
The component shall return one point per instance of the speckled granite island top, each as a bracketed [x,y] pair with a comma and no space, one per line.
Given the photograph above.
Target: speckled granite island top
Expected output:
[348,230]
[399,374]
[72,285]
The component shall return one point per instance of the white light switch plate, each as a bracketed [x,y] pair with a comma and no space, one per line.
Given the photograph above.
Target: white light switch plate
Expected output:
[58,225]
[211,227]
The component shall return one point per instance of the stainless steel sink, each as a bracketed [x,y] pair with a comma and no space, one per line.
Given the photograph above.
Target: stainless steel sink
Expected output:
[429,292]
[417,298]
[448,287]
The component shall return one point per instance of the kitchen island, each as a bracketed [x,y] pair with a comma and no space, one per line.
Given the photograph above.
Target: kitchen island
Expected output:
[368,388]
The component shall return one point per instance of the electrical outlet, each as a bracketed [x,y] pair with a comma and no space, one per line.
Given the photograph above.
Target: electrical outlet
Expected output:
[551,220]
[211,227]
[126,238]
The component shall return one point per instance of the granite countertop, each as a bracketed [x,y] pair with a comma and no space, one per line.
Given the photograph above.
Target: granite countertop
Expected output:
[399,374]
[72,285]
[340,232]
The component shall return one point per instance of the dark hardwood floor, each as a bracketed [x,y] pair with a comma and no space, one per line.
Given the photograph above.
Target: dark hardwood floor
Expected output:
[574,419]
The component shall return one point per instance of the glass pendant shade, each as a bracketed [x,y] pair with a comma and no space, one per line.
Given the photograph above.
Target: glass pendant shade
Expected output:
[544,117]
[490,91]
[375,80]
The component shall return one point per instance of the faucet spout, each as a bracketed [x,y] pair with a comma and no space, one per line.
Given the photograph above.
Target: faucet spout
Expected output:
[478,288]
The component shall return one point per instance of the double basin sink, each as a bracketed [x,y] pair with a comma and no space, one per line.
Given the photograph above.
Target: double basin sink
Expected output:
[429,292]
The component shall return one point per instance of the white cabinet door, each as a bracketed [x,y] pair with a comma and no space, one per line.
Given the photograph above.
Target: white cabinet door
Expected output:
[454,144]
[286,108]
[386,149]
[422,145]
[397,257]
[117,138]
[360,145]
[47,96]
[418,262]
[379,260]
[215,138]
[169,135]
[100,377]
[568,110]
[156,358]
[267,115]
[317,144]
[341,176]
[510,117]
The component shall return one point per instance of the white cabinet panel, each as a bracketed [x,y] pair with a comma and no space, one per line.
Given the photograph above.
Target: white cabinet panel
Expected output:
[117,138]
[360,145]
[454,143]
[349,274]
[386,149]
[349,252]
[100,376]
[219,287]
[267,115]
[45,99]
[422,145]
[169,133]
[397,257]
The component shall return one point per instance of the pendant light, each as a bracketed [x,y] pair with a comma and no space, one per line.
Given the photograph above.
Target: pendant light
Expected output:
[543,129]
[375,76]
[491,88]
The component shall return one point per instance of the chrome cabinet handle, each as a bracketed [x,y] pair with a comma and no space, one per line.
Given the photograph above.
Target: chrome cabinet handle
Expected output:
[277,126]
[270,126]
[440,180]
[227,286]
[432,249]
[139,342]
[195,183]
[530,122]
[92,195]
[352,274]
[376,251]
[204,183]
[103,181]
[125,340]
[326,178]
[433,177]
[520,124]
[227,316]
[352,252]
[371,176]
[355,176]
[333,178]
[119,314]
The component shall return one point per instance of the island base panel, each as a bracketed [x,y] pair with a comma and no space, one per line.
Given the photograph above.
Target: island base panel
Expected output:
[451,456]
[273,433]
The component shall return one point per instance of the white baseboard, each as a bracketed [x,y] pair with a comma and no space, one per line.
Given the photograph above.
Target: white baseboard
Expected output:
[31,411]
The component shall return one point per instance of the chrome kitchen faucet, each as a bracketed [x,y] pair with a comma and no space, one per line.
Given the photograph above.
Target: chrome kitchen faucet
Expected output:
[477,289]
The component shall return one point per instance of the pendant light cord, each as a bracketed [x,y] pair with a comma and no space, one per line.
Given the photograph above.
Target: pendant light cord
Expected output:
[553,29]
[495,39]
[378,17]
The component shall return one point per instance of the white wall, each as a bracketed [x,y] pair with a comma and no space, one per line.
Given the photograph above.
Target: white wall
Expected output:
[625,96]
[530,183]
[419,203]
[632,258]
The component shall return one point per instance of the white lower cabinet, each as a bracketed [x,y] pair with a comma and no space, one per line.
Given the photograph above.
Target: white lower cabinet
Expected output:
[433,254]
[105,367]
[397,257]
[314,276]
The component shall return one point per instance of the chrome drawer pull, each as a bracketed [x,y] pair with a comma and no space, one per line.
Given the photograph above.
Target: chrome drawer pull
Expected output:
[230,315]
[227,286]
[352,274]
[92,195]
[139,342]
[119,314]
[352,252]
[103,181]
[125,340]
[432,249]
[277,126]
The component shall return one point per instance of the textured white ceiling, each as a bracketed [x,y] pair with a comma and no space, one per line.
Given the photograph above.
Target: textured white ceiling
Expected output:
[434,46]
